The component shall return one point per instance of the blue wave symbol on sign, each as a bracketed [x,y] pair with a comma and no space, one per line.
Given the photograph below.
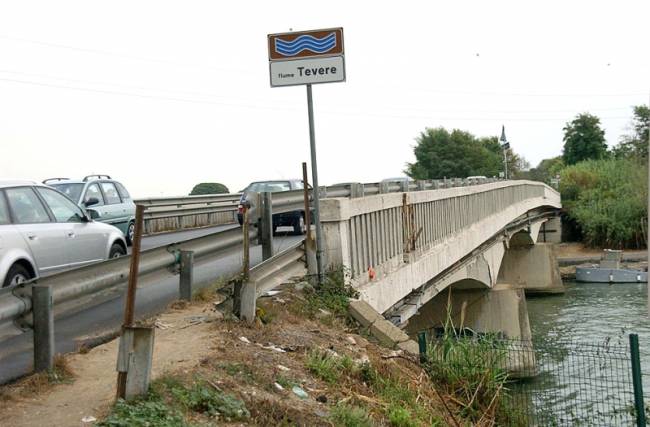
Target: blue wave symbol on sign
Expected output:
[305,42]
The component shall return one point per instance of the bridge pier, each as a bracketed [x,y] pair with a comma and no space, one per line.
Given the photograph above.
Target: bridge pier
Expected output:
[500,310]
[533,268]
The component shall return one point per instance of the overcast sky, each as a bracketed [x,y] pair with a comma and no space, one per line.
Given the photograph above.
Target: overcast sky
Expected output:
[163,95]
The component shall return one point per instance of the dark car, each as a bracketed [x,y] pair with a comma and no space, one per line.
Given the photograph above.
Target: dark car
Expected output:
[295,219]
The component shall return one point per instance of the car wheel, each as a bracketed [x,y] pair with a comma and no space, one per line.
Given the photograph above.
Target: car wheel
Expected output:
[299,226]
[130,232]
[116,251]
[17,274]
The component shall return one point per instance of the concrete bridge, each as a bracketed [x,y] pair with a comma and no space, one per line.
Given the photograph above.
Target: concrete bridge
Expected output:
[487,244]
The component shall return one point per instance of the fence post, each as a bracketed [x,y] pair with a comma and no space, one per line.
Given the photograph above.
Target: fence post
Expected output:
[636,380]
[422,346]
[186,275]
[43,328]
[266,225]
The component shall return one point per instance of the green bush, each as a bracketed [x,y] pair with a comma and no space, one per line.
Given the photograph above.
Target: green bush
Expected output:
[608,200]
[209,188]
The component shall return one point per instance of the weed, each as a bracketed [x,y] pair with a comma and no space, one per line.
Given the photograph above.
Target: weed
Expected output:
[324,365]
[43,381]
[400,417]
[150,411]
[332,295]
[350,416]
[206,293]
[285,381]
[169,400]
[470,368]
[204,398]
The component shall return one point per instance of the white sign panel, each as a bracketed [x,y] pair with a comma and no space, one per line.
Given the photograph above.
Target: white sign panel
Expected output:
[303,71]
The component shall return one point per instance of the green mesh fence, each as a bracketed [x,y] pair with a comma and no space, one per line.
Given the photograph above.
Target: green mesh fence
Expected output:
[575,384]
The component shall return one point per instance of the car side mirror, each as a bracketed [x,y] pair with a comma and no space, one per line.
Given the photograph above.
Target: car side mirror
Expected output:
[93,214]
[91,201]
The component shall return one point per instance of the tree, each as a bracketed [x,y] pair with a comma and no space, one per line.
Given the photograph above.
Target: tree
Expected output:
[635,145]
[547,169]
[583,139]
[209,188]
[439,154]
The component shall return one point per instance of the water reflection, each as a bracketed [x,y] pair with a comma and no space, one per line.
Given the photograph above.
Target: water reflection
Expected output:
[582,345]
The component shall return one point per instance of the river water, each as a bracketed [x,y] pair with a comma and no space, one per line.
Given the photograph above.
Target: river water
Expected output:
[581,342]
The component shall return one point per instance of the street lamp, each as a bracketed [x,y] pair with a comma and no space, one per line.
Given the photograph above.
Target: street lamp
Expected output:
[505,145]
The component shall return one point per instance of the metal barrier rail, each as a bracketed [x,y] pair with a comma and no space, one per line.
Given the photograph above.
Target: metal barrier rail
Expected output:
[16,303]
[173,213]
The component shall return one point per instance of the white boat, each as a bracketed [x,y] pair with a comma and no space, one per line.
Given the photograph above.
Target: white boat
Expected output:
[610,271]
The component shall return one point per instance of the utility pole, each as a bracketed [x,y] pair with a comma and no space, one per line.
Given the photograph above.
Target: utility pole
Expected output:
[505,145]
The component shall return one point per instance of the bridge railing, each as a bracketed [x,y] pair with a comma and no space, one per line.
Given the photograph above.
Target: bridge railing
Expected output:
[176,213]
[387,230]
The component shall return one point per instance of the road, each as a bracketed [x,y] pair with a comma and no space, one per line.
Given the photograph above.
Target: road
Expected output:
[155,292]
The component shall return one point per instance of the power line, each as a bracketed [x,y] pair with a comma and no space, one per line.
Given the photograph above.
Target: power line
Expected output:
[121,55]
[275,108]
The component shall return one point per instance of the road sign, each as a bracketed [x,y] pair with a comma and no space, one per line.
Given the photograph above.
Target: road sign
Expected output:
[306,57]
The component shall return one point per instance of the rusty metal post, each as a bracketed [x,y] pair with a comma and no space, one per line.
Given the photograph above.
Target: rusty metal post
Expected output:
[129,307]
[305,184]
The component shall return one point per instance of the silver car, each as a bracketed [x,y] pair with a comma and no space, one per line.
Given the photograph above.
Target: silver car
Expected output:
[42,232]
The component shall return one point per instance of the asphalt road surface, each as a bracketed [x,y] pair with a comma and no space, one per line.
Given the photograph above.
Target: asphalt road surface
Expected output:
[155,292]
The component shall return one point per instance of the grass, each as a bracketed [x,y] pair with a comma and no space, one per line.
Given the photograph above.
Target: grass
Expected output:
[350,416]
[333,295]
[328,366]
[471,370]
[393,397]
[207,293]
[37,383]
[170,402]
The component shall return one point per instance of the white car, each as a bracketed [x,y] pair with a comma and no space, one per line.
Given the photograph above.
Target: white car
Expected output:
[42,232]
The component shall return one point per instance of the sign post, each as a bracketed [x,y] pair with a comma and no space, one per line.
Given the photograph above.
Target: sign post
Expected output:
[306,58]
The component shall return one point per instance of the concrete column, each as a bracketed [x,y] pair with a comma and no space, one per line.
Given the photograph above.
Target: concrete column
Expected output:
[534,268]
[551,231]
[336,244]
[500,310]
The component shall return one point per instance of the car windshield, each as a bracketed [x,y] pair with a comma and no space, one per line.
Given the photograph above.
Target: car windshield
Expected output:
[72,190]
[272,187]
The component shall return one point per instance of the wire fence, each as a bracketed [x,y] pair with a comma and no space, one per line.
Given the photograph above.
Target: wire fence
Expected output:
[575,384]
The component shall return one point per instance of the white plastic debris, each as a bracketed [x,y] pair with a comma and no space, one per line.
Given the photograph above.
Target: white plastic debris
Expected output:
[88,419]
[244,339]
[278,387]
[283,368]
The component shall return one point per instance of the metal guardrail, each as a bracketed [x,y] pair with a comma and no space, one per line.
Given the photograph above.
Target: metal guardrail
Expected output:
[173,213]
[16,304]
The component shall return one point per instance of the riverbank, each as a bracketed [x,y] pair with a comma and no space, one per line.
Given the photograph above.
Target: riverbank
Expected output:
[572,255]
[302,363]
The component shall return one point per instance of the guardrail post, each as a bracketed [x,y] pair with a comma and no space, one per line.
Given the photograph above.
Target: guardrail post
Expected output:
[384,187]
[422,185]
[404,186]
[43,328]
[266,225]
[186,275]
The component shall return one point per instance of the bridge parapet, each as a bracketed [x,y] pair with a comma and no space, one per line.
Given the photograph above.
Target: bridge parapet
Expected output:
[372,237]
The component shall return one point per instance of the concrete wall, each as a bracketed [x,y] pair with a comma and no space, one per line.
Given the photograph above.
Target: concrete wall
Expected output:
[533,268]
[367,235]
